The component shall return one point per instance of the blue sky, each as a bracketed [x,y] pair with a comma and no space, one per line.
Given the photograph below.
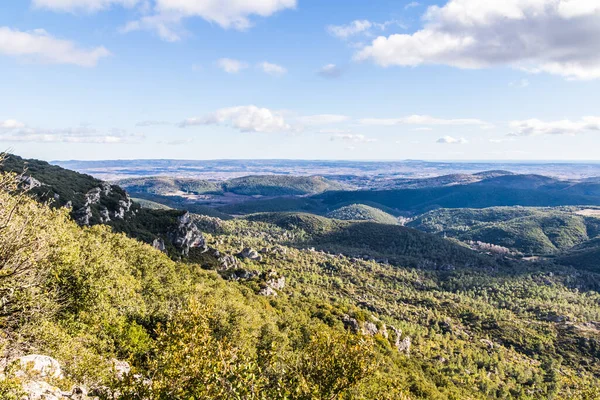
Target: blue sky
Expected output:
[304,79]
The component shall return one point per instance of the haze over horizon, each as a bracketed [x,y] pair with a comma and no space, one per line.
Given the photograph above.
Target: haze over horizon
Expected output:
[299,79]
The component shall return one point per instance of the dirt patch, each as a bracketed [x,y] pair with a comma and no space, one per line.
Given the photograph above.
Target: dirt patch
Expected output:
[589,212]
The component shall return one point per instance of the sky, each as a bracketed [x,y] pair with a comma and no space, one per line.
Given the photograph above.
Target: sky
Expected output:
[300,79]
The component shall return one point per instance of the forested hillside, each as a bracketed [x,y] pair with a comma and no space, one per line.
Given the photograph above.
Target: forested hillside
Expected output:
[285,306]
[530,231]
[417,201]
[257,185]
[361,212]
[90,202]
[419,333]
[169,186]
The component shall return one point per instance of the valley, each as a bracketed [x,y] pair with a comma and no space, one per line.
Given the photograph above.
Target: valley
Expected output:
[452,302]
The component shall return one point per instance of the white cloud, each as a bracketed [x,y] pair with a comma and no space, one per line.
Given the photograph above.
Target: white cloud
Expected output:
[412,5]
[554,36]
[533,127]
[11,124]
[231,66]
[360,27]
[244,118]
[354,138]
[39,46]
[323,119]
[226,13]
[272,69]
[330,71]
[82,5]
[166,26]
[452,140]
[20,132]
[420,120]
[354,28]
[168,15]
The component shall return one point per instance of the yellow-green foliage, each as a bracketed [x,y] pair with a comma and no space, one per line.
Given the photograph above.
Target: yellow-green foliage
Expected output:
[210,352]
[87,295]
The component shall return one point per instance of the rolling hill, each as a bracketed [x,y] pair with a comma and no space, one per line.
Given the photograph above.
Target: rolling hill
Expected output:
[290,305]
[395,244]
[530,231]
[361,212]
[280,185]
[478,195]
[169,186]
[256,185]
[496,189]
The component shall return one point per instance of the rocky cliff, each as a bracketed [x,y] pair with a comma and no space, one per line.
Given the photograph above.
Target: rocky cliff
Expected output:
[94,202]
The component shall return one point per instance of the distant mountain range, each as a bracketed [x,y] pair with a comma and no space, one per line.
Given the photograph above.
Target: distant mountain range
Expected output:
[353,172]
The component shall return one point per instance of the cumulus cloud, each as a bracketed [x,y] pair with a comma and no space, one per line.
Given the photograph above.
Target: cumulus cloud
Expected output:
[360,27]
[231,66]
[39,46]
[168,15]
[226,13]
[243,118]
[272,69]
[354,28]
[452,140]
[421,120]
[330,71]
[412,5]
[11,124]
[534,127]
[82,5]
[354,138]
[166,26]
[554,36]
[20,132]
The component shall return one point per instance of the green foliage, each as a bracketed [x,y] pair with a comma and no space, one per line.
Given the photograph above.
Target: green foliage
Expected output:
[531,231]
[170,186]
[281,204]
[151,204]
[418,201]
[398,244]
[68,185]
[484,328]
[361,212]
[180,203]
[207,353]
[280,185]
[330,366]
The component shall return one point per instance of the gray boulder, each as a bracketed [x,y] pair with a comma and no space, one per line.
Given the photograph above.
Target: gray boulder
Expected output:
[250,254]
[39,366]
[351,323]
[186,235]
